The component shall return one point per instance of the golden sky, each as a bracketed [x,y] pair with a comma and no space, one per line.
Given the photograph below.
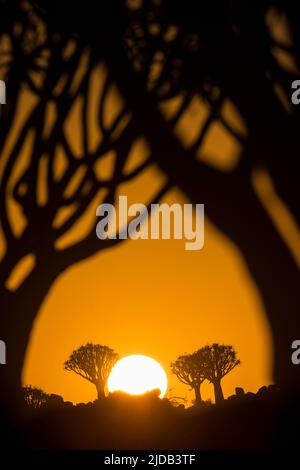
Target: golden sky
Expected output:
[154,298]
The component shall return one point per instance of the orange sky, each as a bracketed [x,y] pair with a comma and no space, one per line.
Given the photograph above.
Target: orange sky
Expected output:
[153,298]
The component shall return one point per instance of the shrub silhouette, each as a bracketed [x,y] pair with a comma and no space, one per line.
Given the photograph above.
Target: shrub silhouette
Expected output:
[34,397]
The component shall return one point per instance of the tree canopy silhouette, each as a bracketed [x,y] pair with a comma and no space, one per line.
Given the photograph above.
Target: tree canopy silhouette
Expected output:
[93,362]
[216,360]
[188,370]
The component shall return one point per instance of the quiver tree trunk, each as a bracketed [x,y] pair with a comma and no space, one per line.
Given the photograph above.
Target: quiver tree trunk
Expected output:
[198,398]
[100,389]
[219,397]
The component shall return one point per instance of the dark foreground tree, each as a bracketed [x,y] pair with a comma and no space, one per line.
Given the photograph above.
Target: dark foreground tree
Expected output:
[217,360]
[51,183]
[187,369]
[93,362]
[34,397]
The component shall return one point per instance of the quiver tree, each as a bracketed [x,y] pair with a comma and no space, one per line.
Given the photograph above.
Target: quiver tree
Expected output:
[187,369]
[217,360]
[93,362]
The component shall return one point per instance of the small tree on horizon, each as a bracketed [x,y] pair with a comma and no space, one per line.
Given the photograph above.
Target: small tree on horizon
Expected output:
[35,397]
[93,362]
[188,370]
[217,360]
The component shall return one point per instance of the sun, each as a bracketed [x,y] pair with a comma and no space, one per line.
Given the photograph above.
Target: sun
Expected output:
[136,375]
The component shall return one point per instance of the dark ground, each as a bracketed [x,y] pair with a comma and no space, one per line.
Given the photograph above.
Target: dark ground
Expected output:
[264,421]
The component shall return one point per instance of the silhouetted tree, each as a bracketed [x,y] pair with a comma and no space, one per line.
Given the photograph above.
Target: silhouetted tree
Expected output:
[93,362]
[51,183]
[188,369]
[217,360]
[34,397]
